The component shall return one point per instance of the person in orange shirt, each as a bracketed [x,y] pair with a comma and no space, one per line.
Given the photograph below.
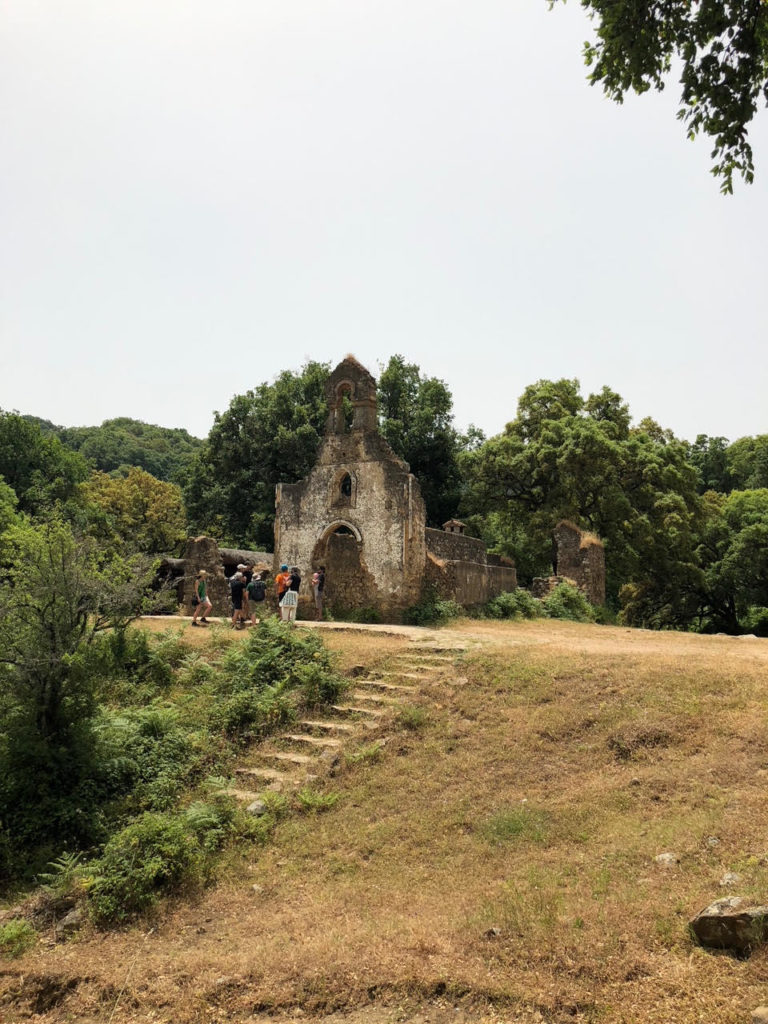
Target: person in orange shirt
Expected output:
[282,583]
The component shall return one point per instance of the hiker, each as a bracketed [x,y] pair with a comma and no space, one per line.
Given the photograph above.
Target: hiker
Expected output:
[200,600]
[318,586]
[257,591]
[237,588]
[282,584]
[246,575]
[290,600]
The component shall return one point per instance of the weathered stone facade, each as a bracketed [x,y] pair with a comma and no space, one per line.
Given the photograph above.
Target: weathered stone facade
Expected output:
[579,559]
[361,514]
[461,569]
[219,564]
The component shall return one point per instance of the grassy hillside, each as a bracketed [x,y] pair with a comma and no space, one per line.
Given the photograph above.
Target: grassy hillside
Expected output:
[490,854]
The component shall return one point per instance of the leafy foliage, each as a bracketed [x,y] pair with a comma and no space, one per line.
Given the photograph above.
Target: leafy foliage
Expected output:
[121,443]
[566,602]
[16,937]
[267,435]
[154,855]
[723,52]
[136,512]
[432,610]
[515,604]
[416,418]
[37,467]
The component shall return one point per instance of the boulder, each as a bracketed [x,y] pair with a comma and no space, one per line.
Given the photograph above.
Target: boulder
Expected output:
[732,923]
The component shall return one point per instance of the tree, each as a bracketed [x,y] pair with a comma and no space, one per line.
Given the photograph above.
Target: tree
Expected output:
[38,467]
[267,435]
[722,48]
[747,461]
[164,452]
[416,418]
[566,458]
[710,457]
[136,511]
[733,553]
[58,594]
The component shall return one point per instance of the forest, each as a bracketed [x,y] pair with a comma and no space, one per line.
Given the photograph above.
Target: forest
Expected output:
[685,523]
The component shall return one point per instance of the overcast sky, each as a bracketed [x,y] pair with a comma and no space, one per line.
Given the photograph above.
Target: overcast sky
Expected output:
[195,196]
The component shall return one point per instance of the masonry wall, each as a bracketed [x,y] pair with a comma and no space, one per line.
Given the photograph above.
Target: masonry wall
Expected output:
[379,562]
[460,568]
[581,557]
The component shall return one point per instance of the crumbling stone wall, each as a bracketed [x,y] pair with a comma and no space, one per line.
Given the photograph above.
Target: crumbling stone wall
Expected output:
[461,569]
[203,553]
[581,557]
[359,512]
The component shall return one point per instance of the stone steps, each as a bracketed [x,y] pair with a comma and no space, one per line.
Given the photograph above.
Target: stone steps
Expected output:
[350,709]
[381,684]
[341,727]
[244,796]
[274,779]
[375,698]
[300,760]
[321,742]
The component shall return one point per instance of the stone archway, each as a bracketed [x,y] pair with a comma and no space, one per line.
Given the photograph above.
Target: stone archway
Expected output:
[349,586]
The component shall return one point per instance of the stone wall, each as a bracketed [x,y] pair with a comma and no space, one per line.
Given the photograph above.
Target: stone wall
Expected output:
[203,553]
[455,546]
[359,512]
[580,556]
[461,569]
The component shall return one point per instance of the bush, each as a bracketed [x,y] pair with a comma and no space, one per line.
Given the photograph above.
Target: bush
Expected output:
[153,856]
[566,602]
[514,604]
[432,610]
[16,937]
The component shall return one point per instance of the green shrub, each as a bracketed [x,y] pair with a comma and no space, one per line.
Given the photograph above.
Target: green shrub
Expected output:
[567,602]
[432,610]
[311,802]
[211,823]
[258,711]
[16,937]
[514,604]
[155,855]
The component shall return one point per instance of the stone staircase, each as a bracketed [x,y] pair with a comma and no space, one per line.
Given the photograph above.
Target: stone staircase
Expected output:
[312,746]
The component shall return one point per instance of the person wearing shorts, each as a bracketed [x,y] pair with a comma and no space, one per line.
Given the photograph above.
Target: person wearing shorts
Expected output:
[237,589]
[203,606]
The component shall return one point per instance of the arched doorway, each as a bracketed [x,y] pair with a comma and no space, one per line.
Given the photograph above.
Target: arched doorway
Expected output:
[349,586]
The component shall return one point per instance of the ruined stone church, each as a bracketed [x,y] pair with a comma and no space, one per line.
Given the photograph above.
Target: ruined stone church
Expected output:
[360,513]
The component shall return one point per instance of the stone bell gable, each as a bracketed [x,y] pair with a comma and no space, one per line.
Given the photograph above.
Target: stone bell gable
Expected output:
[359,512]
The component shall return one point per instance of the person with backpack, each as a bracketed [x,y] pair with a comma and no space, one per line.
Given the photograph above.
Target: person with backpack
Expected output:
[257,591]
[237,589]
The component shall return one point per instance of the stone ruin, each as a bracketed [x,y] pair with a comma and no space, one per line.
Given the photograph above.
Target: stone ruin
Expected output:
[579,558]
[360,513]
[219,563]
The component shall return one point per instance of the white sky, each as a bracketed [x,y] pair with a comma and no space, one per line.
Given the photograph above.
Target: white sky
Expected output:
[196,196]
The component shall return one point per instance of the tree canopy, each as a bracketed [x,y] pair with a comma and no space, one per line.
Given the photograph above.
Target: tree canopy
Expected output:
[721,48]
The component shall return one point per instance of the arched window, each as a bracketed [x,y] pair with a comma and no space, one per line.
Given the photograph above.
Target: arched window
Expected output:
[345,487]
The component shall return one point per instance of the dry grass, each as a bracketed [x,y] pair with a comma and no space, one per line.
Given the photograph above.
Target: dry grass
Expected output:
[497,863]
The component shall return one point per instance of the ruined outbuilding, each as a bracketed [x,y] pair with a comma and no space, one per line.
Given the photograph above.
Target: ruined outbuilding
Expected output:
[579,558]
[360,513]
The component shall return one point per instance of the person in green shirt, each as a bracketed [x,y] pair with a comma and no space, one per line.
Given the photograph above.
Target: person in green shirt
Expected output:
[203,605]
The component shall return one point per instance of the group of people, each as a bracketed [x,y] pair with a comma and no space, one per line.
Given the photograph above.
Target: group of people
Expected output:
[249,590]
